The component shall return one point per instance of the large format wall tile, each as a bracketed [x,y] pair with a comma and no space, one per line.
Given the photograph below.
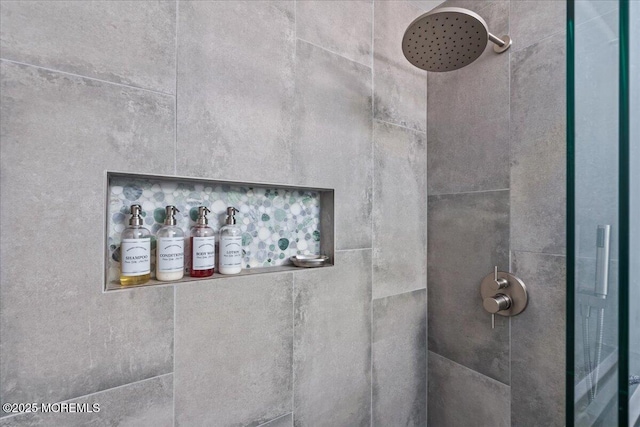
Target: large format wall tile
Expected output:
[400,360]
[468,113]
[128,42]
[468,236]
[343,26]
[399,221]
[538,149]
[534,20]
[333,137]
[332,343]
[144,403]
[461,397]
[538,342]
[61,336]
[233,351]
[400,89]
[235,89]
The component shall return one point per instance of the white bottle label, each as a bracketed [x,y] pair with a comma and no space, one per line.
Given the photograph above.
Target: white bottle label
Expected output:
[230,251]
[135,256]
[170,254]
[204,253]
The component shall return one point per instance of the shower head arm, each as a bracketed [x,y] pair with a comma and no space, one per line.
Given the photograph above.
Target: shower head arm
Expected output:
[501,44]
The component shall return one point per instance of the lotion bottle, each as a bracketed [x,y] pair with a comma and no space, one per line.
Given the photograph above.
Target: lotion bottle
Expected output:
[230,245]
[170,249]
[203,249]
[135,251]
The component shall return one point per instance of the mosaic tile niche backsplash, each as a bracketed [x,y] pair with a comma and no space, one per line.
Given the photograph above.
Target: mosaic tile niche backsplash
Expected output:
[276,223]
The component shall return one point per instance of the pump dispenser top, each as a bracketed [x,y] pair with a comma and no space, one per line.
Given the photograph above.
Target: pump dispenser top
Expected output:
[170,219]
[135,219]
[231,212]
[202,215]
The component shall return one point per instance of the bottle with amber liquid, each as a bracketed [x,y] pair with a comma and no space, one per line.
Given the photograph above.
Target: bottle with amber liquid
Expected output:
[203,249]
[135,251]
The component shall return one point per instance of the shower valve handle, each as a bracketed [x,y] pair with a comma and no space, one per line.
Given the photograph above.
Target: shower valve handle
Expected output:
[500,282]
[497,303]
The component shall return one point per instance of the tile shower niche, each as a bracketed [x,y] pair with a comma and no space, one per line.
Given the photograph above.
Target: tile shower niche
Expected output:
[277,221]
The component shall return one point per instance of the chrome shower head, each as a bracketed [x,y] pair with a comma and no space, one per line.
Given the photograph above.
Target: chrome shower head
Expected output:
[448,38]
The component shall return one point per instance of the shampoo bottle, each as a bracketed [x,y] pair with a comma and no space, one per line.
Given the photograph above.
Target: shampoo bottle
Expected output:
[170,249]
[135,251]
[203,249]
[230,245]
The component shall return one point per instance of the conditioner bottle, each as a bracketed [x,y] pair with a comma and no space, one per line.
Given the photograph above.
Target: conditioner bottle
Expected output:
[135,251]
[170,249]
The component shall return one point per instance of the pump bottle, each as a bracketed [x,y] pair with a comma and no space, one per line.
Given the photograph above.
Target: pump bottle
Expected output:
[203,249]
[170,249]
[135,251]
[230,245]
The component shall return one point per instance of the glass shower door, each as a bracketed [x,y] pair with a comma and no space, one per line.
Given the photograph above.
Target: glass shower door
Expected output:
[603,253]
[634,212]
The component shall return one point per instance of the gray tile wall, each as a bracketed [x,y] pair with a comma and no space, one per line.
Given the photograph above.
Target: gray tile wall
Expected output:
[295,92]
[400,359]
[496,176]
[459,396]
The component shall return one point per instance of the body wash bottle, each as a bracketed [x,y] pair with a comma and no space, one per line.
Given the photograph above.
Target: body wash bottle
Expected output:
[135,251]
[203,249]
[230,245]
[170,249]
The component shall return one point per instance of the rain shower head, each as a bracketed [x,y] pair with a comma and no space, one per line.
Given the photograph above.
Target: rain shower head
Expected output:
[448,38]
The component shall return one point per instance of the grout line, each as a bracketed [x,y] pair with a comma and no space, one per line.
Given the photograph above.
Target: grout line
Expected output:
[293,284]
[95,393]
[469,369]
[373,192]
[468,192]
[52,70]
[333,52]
[293,343]
[537,253]
[275,419]
[373,71]
[354,249]
[399,294]
[401,126]
[175,145]
[510,252]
